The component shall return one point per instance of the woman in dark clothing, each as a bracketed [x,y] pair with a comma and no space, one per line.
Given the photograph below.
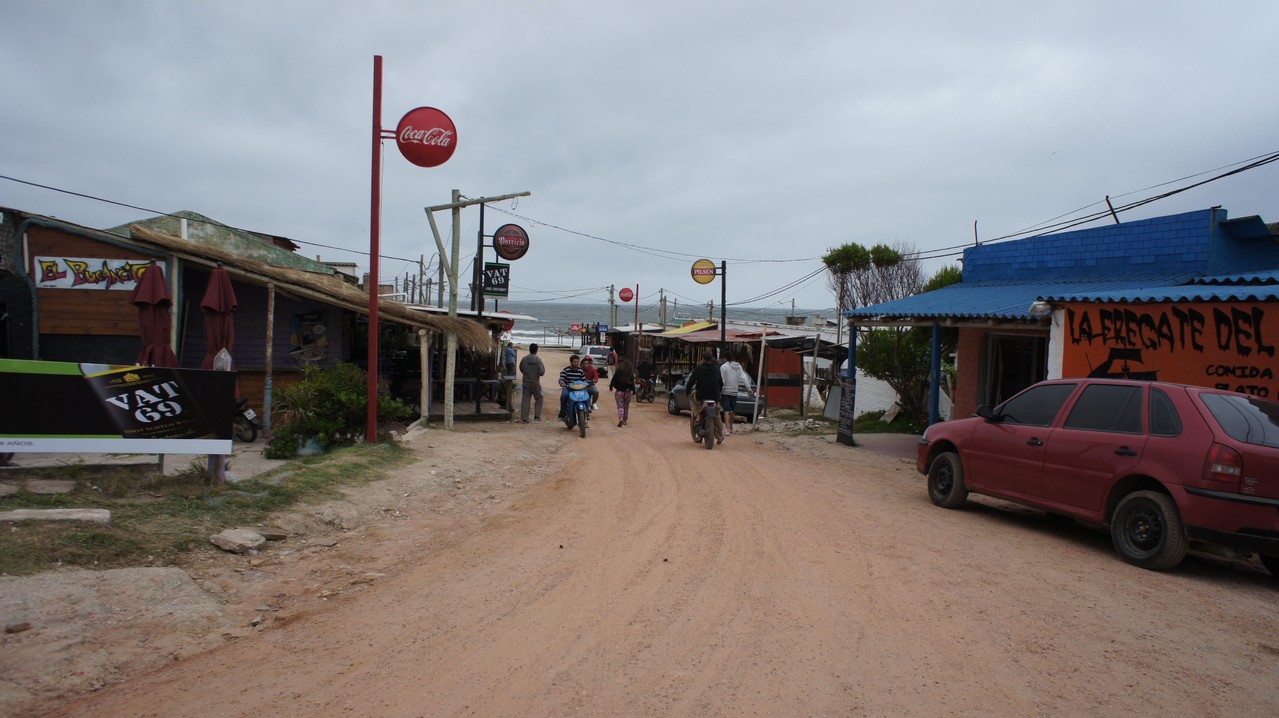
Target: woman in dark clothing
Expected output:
[623,387]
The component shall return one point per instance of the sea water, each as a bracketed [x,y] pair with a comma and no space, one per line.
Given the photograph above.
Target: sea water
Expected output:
[552,320]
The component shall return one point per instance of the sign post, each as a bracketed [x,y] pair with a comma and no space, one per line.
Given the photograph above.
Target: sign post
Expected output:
[427,138]
[704,272]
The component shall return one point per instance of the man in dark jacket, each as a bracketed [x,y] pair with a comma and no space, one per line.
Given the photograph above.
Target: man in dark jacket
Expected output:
[705,381]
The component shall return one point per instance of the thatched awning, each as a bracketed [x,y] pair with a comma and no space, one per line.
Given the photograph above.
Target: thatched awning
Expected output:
[326,288]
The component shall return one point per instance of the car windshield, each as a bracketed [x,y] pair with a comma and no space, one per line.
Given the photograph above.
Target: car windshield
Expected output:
[1245,418]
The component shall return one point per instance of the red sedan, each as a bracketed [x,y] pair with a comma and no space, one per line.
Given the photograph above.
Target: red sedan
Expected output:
[1166,466]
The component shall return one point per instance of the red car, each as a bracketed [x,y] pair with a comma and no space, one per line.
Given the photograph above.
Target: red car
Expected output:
[1168,467]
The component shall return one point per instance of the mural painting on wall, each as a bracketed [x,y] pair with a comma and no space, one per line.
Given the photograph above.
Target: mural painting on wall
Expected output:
[310,338]
[82,273]
[1223,345]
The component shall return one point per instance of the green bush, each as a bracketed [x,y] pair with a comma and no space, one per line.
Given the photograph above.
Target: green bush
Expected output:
[329,406]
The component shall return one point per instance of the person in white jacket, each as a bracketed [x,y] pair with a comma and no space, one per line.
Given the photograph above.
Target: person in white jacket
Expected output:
[734,376]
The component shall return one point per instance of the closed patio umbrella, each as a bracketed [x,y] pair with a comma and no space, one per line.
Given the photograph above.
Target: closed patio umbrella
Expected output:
[151,296]
[219,324]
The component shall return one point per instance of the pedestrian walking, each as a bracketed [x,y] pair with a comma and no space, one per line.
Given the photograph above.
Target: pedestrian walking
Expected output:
[623,387]
[531,370]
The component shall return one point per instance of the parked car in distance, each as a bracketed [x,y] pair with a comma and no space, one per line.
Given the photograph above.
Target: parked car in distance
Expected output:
[677,401]
[1167,467]
[599,357]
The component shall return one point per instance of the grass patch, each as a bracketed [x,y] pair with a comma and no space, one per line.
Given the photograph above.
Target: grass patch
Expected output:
[872,422]
[156,519]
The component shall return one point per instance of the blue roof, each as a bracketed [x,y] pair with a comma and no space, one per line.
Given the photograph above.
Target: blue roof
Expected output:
[1001,300]
[1176,293]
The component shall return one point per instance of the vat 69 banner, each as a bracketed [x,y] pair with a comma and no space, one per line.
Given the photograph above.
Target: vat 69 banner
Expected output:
[100,408]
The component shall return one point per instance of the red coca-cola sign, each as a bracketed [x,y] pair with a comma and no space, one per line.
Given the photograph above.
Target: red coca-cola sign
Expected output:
[426,137]
[626,294]
[510,241]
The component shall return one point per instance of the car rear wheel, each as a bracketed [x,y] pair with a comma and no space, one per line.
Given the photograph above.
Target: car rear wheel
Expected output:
[946,481]
[671,406]
[1147,531]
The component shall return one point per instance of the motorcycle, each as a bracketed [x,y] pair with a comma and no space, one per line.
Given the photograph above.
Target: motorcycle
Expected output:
[579,407]
[244,426]
[703,430]
[644,390]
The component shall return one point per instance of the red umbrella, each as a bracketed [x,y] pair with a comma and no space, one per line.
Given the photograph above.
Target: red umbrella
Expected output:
[219,325]
[152,297]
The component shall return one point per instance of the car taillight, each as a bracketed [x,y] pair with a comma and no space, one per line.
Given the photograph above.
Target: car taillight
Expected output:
[1224,464]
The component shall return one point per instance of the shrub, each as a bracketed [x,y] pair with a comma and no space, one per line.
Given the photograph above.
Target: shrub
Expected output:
[329,406]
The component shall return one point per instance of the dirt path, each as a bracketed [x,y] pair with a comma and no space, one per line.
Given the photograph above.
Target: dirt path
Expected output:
[637,573]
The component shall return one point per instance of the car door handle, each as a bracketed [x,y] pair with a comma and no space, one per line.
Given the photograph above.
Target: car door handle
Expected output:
[1125,451]
[1034,442]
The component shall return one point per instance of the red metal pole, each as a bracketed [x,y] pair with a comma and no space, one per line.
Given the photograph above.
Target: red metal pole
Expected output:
[375,221]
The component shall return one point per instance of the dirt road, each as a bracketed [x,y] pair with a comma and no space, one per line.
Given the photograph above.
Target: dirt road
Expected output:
[640,574]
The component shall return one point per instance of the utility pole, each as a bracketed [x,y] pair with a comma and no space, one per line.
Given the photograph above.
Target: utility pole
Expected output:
[612,307]
[450,371]
[662,312]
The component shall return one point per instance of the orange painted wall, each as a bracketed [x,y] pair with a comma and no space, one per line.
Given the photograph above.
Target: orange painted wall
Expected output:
[1230,345]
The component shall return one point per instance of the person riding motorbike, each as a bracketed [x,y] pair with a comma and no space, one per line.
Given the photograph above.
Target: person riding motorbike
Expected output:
[592,378]
[644,372]
[571,373]
[705,381]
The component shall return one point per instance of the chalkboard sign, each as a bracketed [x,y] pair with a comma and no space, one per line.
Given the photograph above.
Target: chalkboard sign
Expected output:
[847,398]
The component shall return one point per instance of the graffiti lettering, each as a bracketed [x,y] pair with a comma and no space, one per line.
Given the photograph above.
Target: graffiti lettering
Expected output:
[1240,331]
[1240,372]
[49,270]
[1253,389]
[1139,330]
[80,273]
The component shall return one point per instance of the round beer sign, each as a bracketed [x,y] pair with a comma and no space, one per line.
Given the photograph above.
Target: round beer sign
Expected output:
[510,241]
[426,137]
[703,271]
[626,294]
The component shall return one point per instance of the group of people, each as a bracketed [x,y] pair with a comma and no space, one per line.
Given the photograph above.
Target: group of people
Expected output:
[707,379]
[718,382]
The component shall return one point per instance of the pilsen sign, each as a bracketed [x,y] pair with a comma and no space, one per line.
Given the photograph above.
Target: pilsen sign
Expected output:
[426,137]
[703,271]
[510,241]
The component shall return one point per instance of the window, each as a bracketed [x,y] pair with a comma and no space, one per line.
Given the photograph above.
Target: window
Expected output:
[1245,418]
[1013,362]
[1037,406]
[1107,407]
[1163,415]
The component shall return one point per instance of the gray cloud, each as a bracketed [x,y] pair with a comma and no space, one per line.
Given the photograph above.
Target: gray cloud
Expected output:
[748,130]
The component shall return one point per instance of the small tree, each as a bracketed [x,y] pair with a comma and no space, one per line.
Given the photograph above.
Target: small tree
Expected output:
[902,356]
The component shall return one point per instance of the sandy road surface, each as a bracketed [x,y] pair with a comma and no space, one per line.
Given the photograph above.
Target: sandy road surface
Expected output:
[645,575]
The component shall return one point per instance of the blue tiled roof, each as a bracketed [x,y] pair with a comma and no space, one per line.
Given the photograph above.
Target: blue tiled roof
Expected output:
[1001,300]
[1176,293]
[1266,277]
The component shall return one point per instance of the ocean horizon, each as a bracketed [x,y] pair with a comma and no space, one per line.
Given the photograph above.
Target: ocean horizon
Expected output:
[551,320]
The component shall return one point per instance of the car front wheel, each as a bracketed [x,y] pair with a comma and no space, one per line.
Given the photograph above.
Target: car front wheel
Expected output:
[1147,531]
[671,406]
[1272,564]
[946,481]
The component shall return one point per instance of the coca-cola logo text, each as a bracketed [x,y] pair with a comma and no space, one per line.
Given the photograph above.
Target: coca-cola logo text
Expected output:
[434,136]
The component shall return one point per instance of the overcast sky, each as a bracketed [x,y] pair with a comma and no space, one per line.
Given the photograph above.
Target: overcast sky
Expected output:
[650,133]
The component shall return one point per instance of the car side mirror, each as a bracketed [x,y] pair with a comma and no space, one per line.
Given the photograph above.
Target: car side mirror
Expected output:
[987,413]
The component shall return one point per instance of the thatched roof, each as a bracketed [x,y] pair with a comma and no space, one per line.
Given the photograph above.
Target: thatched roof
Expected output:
[327,288]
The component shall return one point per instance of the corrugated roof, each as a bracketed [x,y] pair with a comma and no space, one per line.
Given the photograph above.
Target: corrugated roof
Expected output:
[1176,293]
[1266,277]
[690,327]
[999,300]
